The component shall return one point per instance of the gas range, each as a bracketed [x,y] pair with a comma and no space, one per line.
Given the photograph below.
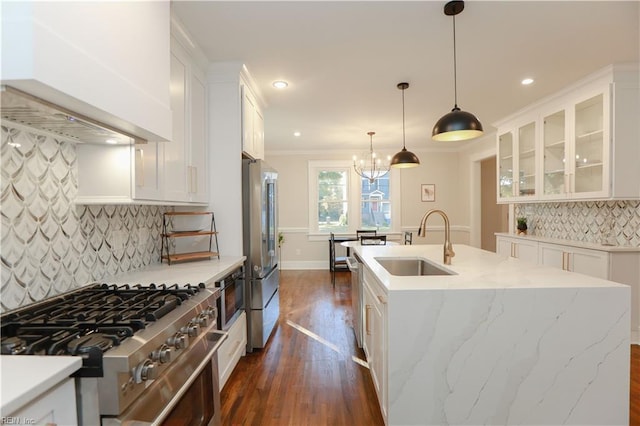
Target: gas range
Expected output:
[135,340]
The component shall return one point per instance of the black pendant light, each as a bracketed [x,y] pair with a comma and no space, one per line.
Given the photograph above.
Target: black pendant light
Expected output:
[457,125]
[404,159]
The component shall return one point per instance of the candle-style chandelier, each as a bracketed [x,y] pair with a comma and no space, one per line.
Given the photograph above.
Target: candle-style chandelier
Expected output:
[371,168]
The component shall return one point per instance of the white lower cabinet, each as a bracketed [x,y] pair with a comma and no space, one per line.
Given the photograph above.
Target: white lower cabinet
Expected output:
[57,406]
[232,349]
[518,248]
[589,262]
[375,335]
[621,266]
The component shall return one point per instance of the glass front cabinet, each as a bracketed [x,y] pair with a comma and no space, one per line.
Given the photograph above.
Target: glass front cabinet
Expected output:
[581,144]
[517,180]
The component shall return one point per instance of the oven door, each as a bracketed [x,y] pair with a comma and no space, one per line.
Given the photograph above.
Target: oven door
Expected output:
[187,393]
[231,301]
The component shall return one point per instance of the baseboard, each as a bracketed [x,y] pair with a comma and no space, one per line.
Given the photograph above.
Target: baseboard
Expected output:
[635,337]
[304,264]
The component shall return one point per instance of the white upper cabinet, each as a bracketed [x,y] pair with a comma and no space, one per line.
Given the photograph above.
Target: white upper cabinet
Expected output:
[517,179]
[252,125]
[582,143]
[70,54]
[185,174]
[172,173]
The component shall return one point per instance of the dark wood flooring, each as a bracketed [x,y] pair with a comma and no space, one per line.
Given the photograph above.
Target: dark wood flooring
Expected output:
[309,375]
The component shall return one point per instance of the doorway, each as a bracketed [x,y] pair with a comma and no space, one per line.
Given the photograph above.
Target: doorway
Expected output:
[493,216]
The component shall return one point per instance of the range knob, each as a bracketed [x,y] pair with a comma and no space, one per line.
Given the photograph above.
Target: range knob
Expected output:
[178,341]
[202,320]
[162,354]
[146,370]
[190,329]
[211,312]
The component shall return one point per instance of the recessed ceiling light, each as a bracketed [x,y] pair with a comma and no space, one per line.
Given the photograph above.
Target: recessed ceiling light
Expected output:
[280,84]
[111,141]
[527,81]
[296,134]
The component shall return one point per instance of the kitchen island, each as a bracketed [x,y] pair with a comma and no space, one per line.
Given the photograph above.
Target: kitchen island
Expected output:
[499,341]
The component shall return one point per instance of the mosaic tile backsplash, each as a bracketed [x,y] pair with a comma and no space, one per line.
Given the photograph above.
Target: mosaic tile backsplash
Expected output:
[613,222]
[48,244]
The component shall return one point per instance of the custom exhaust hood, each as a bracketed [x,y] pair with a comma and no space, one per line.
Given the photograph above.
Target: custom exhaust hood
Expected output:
[27,110]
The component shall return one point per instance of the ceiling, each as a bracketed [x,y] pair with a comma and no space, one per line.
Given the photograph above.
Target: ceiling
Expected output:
[344,59]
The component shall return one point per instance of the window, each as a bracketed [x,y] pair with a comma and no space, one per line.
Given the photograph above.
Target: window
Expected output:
[375,204]
[333,200]
[341,201]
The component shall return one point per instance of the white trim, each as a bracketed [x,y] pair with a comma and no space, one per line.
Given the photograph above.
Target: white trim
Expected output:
[305,265]
[292,230]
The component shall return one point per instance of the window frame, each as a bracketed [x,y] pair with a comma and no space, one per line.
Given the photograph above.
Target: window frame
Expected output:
[354,197]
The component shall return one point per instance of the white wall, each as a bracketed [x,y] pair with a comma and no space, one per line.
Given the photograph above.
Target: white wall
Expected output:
[439,168]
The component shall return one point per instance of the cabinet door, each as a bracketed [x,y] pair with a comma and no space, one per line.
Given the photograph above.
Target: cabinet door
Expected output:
[55,406]
[527,160]
[552,255]
[506,185]
[148,166]
[554,155]
[198,188]
[248,109]
[590,262]
[258,134]
[504,247]
[527,251]
[590,149]
[175,167]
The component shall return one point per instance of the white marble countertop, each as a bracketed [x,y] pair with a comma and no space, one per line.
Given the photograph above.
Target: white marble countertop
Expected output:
[203,271]
[25,377]
[570,243]
[473,269]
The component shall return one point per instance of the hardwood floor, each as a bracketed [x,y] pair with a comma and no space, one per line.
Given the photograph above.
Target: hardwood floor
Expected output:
[306,375]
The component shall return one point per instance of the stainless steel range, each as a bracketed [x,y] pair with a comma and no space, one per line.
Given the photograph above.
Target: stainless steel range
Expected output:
[149,352]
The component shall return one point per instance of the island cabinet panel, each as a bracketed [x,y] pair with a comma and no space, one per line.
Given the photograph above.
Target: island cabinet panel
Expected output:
[497,342]
[375,335]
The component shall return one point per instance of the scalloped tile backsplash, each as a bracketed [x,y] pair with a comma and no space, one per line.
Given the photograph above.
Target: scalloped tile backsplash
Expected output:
[50,245]
[616,222]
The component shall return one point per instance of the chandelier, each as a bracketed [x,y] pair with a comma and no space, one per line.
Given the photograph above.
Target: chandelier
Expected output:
[371,168]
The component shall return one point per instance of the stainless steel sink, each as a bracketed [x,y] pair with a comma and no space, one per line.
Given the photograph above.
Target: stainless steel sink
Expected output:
[411,266]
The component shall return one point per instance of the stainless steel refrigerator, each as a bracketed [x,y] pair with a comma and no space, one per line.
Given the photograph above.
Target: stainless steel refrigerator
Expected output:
[260,235]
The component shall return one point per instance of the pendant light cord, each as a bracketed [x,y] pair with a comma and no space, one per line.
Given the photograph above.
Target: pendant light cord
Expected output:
[403,138]
[455,73]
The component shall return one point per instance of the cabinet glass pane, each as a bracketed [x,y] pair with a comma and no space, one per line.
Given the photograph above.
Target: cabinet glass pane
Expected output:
[589,145]
[505,145]
[554,153]
[527,160]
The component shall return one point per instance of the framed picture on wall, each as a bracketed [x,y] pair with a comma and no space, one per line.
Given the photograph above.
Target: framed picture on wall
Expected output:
[428,192]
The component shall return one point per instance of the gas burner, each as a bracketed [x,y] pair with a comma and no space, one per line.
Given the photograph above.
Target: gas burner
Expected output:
[13,346]
[91,320]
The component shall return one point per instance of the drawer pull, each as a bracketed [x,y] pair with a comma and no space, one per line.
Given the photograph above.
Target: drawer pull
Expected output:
[382,300]
[366,319]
